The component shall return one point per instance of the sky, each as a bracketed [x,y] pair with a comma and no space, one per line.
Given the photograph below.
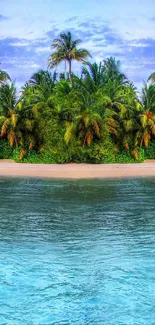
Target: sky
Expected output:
[124,29]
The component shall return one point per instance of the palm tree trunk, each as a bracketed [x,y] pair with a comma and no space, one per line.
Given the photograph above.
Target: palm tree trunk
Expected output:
[70,69]
[65,71]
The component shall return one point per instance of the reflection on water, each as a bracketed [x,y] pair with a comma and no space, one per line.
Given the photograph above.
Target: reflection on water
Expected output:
[77,252]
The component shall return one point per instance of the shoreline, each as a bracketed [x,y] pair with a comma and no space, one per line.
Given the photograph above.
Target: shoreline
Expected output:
[10,168]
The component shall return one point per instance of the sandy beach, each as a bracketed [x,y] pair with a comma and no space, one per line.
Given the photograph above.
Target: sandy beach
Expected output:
[77,171]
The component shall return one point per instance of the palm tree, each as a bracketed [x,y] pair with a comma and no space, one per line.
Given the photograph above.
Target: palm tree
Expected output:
[29,125]
[32,110]
[89,115]
[93,75]
[18,120]
[146,128]
[9,116]
[86,127]
[44,82]
[112,70]
[146,117]
[148,97]
[8,98]
[65,49]
[3,76]
[152,77]
[38,90]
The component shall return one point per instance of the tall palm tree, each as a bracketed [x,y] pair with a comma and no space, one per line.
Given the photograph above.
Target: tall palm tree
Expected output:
[65,49]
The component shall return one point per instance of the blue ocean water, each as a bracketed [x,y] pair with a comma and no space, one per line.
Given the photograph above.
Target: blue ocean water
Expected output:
[77,252]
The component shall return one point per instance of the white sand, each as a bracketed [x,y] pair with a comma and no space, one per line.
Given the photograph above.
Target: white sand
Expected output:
[77,171]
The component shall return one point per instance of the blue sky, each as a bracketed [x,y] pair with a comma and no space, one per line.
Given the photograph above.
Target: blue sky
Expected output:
[121,28]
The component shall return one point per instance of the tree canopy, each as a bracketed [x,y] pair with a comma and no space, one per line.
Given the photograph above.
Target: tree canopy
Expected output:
[98,117]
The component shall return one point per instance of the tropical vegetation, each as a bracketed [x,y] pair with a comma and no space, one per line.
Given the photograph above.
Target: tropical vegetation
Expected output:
[97,117]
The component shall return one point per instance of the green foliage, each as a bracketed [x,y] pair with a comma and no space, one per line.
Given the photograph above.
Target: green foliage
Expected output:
[3,77]
[97,118]
[6,152]
[35,158]
[126,156]
[141,153]
[150,151]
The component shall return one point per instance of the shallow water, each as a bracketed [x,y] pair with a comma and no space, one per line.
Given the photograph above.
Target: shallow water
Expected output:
[77,252]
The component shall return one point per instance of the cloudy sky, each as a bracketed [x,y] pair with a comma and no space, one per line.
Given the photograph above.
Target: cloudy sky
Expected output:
[121,28]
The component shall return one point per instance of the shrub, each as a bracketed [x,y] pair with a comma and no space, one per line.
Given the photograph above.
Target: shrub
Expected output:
[6,151]
[150,151]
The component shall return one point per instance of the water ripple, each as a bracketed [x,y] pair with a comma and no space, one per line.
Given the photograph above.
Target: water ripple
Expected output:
[77,252]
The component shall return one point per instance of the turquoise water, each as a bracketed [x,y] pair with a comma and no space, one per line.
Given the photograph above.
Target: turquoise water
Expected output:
[77,252]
